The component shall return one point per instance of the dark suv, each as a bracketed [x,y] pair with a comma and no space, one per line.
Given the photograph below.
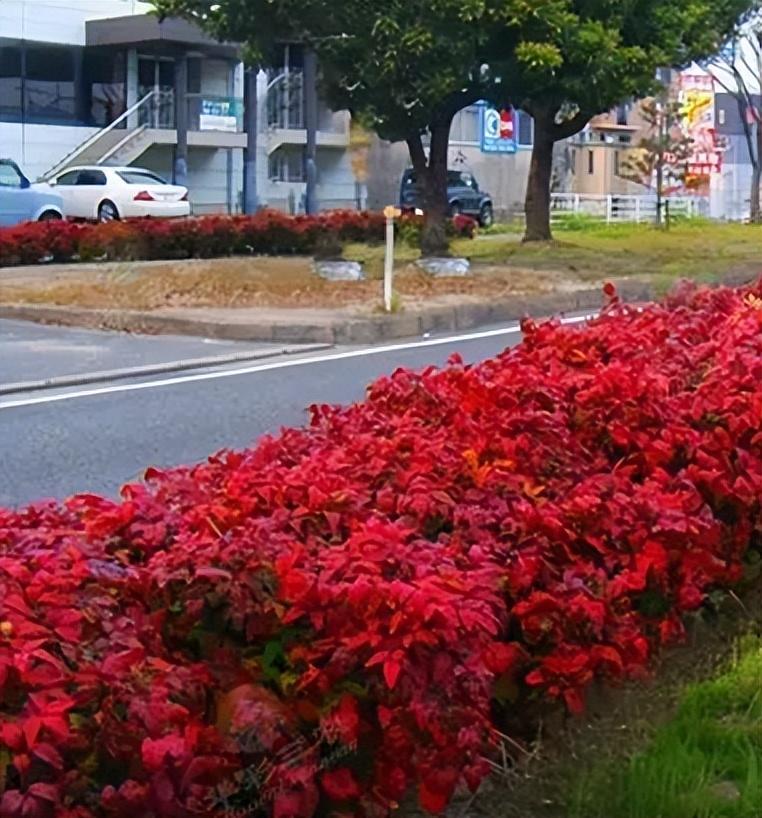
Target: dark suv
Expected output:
[463,196]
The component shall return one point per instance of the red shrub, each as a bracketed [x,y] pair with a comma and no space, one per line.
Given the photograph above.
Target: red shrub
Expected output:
[464,226]
[269,232]
[328,619]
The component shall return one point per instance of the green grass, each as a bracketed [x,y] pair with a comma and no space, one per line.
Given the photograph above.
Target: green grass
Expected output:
[705,763]
[590,252]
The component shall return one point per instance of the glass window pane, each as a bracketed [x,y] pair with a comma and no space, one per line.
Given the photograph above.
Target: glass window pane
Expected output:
[194,75]
[10,83]
[9,176]
[91,177]
[146,73]
[49,84]
[104,78]
[140,177]
[68,178]
[166,73]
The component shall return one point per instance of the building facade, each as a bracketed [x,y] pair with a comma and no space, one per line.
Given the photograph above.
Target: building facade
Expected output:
[731,186]
[503,176]
[104,81]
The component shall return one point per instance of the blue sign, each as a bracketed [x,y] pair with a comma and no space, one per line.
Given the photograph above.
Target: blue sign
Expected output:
[498,130]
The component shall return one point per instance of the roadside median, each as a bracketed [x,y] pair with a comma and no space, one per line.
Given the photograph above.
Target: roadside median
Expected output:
[323,326]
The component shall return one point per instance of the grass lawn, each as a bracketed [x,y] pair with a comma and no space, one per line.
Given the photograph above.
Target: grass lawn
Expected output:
[578,258]
[705,763]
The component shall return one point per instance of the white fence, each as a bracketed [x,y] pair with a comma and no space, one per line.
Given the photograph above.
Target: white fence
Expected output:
[615,208]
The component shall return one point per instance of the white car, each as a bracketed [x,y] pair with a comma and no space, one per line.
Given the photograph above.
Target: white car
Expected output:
[106,193]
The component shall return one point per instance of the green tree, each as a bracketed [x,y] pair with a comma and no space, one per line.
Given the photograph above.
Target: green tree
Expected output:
[607,51]
[404,68]
[661,156]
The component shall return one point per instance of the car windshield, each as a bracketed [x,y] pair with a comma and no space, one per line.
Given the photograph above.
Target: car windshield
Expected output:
[140,177]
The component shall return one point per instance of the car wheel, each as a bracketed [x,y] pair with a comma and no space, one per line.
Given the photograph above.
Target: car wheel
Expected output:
[107,212]
[50,216]
[455,209]
[486,216]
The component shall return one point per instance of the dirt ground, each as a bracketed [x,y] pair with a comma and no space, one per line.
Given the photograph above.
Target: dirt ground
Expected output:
[256,282]
[618,722]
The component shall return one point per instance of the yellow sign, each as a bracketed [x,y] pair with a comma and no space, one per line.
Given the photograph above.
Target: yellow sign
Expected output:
[392,212]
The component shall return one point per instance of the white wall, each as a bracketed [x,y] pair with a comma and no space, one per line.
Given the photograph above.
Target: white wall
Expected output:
[60,21]
[37,148]
[207,175]
[335,179]
[730,190]
[504,176]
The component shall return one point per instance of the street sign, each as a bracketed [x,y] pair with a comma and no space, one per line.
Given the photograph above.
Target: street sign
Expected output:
[498,130]
[218,115]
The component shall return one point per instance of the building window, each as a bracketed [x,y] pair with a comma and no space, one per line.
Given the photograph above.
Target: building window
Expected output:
[194,75]
[104,80]
[10,83]
[285,102]
[49,87]
[286,165]
[721,115]
[616,163]
[525,129]
[573,161]
[590,162]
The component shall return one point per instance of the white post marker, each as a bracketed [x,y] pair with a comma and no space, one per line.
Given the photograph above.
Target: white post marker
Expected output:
[391,213]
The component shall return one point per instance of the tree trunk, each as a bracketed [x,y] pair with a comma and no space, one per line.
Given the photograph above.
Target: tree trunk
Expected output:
[756,176]
[537,205]
[755,215]
[659,190]
[431,177]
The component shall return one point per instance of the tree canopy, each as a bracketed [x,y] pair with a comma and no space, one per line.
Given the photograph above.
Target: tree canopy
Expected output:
[607,51]
[405,67]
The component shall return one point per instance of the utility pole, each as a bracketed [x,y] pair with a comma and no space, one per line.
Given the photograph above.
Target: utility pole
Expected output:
[311,125]
[251,126]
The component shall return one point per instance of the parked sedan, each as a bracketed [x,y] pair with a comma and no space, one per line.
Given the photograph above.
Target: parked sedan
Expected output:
[21,201]
[106,193]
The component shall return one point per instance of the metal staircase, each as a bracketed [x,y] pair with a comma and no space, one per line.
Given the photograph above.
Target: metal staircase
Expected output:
[145,124]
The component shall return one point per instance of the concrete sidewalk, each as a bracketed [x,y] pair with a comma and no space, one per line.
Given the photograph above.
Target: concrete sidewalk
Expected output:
[341,326]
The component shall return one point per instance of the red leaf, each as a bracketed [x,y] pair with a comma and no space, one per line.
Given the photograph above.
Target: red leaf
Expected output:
[340,784]
[392,668]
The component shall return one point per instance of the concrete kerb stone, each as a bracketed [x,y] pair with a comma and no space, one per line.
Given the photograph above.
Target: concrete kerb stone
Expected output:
[316,333]
[335,329]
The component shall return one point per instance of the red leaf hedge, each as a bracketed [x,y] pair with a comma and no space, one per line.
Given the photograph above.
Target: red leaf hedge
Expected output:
[338,615]
[269,232]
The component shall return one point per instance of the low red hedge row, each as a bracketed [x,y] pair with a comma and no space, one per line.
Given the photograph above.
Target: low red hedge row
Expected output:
[269,232]
[320,623]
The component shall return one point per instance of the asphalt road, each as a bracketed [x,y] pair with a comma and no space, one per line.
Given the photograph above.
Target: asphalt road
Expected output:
[94,438]
[32,351]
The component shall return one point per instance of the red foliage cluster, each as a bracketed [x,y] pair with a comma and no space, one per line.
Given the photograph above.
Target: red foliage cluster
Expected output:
[327,620]
[269,232]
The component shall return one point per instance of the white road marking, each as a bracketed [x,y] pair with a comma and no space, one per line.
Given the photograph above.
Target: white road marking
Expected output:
[250,370]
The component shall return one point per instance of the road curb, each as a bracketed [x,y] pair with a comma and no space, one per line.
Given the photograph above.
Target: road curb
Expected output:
[152,369]
[333,330]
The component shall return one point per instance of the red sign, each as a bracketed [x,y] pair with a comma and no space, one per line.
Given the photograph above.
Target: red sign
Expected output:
[506,124]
